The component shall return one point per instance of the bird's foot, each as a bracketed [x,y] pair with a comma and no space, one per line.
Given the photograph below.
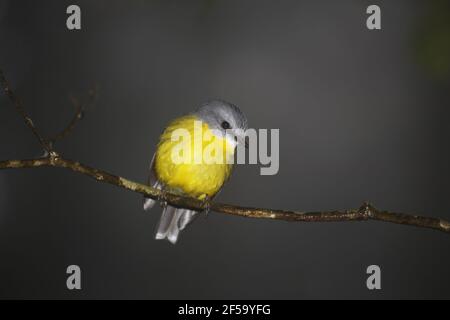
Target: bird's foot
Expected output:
[206,205]
[162,198]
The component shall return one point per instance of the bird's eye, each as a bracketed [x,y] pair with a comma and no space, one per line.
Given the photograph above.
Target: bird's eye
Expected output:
[225,125]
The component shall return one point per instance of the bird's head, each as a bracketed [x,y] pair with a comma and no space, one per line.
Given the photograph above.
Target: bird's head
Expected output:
[225,119]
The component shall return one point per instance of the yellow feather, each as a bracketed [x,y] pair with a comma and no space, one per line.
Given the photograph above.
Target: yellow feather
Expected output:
[194,177]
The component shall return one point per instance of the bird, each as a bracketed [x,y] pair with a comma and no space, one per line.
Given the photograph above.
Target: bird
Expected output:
[223,125]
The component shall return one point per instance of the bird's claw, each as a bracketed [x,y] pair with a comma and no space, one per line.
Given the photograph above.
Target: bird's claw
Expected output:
[206,205]
[162,198]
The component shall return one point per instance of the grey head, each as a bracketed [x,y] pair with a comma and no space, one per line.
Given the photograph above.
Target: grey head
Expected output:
[223,117]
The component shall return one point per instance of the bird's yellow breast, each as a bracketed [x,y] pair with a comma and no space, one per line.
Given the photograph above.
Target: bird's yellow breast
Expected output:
[196,176]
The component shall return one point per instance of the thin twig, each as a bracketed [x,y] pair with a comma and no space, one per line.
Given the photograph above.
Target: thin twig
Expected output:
[363,213]
[18,105]
[80,110]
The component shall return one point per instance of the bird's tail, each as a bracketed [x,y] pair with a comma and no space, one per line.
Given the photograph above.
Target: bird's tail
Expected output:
[172,221]
[148,203]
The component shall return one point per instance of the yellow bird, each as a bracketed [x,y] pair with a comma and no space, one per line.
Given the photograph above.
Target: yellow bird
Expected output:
[194,158]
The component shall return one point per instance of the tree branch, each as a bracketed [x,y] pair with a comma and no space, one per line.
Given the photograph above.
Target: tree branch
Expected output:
[364,213]
[80,110]
[18,105]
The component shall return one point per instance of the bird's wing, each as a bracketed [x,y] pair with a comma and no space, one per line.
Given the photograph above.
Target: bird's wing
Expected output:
[152,182]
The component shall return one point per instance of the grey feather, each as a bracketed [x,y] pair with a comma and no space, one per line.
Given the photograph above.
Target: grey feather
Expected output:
[186,218]
[153,182]
[172,221]
[214,112]
[164,222]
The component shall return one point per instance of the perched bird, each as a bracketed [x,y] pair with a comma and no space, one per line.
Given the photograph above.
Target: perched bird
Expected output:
[223,126]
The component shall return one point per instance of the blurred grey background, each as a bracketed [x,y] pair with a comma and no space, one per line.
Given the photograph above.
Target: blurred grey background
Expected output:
[363,115]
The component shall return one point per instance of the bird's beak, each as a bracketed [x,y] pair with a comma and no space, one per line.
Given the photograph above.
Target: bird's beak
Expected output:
[240,138]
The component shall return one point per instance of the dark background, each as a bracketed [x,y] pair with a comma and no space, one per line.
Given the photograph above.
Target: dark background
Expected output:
[363,115]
